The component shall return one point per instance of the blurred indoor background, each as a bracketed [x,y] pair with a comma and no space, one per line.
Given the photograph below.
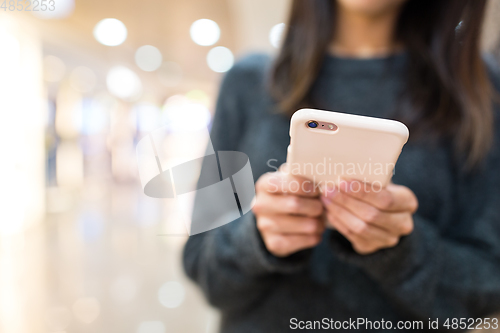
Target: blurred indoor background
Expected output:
[82,249]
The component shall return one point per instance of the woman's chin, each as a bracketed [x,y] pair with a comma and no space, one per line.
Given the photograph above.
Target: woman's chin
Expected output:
[369,7]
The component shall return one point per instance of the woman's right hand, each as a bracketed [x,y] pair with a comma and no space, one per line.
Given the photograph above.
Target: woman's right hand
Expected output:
[288,212]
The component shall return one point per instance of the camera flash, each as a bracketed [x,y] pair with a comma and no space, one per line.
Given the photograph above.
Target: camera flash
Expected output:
[330,126]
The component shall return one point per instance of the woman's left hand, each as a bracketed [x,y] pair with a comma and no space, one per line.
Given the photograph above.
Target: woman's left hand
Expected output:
[370,218]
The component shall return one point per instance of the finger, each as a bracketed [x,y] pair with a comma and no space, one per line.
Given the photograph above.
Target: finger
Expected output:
[272,204]
[340,227]
[391,198]
[358,243]
[395,222]
[283,245]
[284,182]
[407,199]
[361,243]
[352,222]
[290,224]
[358,227]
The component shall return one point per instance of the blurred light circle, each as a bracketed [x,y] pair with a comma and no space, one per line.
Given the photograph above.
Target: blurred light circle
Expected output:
[86,309]
[205,32]
[53,69]
[60,9]
[123,83]
[171,294]
[148,58]
[110,32]
[192,116]
[181,114]
[83,79]
[153,326]
[124,289]
[220,59]
[170,74]
[276,34]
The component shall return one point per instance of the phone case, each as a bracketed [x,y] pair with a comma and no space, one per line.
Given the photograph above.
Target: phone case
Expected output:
[360,148]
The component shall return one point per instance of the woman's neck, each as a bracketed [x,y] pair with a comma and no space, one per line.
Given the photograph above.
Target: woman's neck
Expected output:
[361,35]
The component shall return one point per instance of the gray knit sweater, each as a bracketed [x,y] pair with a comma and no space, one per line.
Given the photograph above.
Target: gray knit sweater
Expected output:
[449,267]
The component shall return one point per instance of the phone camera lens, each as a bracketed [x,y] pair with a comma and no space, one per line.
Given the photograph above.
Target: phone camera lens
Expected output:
[312,124]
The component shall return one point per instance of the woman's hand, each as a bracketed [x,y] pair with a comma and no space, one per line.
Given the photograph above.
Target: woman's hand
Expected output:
[288,212]
[370,218]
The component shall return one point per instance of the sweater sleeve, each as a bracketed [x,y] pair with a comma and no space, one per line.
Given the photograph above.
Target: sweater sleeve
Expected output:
[231,263]
[453,273]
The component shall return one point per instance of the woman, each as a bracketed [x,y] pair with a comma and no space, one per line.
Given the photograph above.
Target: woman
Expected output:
[305,261]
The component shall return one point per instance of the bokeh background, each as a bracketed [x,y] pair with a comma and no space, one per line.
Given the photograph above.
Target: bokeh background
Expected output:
[82,249]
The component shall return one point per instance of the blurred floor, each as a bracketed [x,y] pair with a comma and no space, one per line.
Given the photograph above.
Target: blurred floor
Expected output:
[99,267]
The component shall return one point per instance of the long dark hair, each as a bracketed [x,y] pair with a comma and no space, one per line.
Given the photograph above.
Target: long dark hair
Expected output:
[448,91]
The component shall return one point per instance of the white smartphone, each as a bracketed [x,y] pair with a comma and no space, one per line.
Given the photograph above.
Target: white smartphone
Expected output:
[329,147]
